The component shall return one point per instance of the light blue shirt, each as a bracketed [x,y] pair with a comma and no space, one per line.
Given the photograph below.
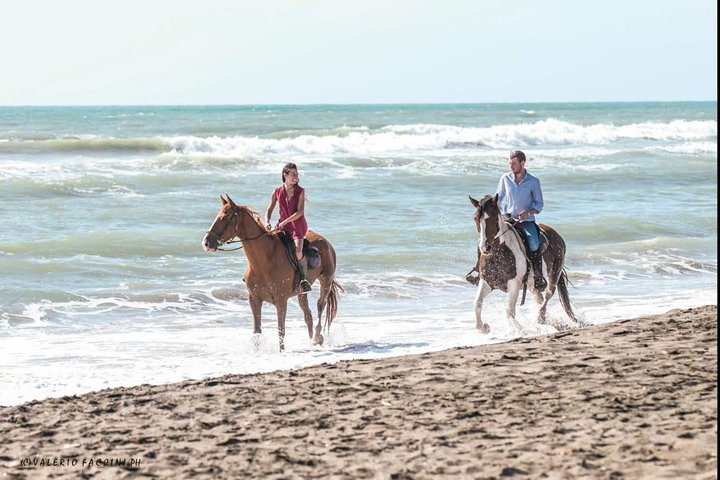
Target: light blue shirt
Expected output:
[519,197]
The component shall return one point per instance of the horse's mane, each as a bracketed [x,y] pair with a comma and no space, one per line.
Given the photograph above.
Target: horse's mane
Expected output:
[255,215]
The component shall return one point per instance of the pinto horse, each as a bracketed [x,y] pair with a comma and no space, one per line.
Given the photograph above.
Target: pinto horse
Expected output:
[269,276]
[503,265]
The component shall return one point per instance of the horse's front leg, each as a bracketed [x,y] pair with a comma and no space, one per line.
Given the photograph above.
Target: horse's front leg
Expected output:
[256,307]
[482,291]
[513,292]
[303,301]
[281,312]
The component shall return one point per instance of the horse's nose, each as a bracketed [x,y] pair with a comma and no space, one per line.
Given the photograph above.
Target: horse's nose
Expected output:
[484,247]
[206,244]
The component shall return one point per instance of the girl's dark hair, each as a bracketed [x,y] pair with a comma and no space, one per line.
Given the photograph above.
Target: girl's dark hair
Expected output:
[288,166]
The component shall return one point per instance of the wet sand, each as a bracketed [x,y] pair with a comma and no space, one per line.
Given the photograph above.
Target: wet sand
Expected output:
[631,399]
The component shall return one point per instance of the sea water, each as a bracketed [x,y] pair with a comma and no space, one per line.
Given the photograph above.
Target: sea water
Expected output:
[103,281]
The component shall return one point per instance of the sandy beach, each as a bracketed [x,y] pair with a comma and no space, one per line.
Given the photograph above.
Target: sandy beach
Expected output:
[634,398]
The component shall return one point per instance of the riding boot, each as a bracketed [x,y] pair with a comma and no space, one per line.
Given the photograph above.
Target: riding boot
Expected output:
[304,284]
[536,261]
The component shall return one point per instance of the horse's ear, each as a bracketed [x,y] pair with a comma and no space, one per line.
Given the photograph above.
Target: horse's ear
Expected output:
[232,204]
[222,200]
[474,202]
[496,198]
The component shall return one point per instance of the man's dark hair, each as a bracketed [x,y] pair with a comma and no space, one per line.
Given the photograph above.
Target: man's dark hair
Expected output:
[517,154]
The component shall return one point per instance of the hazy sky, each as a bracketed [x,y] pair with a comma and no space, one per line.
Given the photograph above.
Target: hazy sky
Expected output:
[83,52]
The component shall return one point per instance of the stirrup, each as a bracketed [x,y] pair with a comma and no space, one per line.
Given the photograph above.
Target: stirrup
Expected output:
[305,285]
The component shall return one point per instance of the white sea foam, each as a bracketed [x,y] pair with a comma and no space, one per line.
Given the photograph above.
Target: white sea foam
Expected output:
[687,148]
[426,146]
[403,139]
[120,351]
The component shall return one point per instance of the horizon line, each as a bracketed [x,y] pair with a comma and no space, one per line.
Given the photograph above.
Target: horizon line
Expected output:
[583,102]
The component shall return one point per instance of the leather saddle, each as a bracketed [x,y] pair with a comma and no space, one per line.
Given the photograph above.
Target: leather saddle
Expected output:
[544,241]
[311,253]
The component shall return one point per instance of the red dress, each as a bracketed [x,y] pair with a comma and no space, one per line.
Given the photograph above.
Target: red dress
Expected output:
[298,227]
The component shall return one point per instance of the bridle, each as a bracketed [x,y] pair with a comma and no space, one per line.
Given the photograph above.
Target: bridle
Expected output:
[488,244]
[233,213]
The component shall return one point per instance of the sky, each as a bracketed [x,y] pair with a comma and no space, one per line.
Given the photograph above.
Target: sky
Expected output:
[189,52]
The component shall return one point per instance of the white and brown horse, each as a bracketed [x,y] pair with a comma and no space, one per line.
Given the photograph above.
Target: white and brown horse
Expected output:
[269,276]
[503,265]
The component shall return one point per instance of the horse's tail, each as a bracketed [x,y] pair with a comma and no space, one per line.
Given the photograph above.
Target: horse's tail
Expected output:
[332,303]
[564,295]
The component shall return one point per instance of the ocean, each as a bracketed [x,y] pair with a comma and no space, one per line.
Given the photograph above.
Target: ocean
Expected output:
[104,283]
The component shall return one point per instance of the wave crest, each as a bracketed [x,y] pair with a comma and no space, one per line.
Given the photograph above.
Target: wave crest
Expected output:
[696,136]
[85,144]
[429,137]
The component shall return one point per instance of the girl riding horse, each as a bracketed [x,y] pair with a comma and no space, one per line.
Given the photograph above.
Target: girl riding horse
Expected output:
[290,196]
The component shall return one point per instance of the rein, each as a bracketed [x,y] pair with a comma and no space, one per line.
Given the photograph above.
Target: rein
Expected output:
[500,234]
[232,240]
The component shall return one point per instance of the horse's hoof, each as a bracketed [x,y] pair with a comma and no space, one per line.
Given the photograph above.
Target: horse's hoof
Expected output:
[484,328]
[319,340]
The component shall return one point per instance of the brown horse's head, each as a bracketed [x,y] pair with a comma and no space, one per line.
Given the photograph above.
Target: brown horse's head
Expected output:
[487,220]
[224,227]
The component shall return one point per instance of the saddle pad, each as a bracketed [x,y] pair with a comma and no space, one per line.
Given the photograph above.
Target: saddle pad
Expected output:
[311,253]
[313,257]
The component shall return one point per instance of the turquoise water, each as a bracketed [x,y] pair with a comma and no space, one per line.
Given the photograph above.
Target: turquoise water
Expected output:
[102,210]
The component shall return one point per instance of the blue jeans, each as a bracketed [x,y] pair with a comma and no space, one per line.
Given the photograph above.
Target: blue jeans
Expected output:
[530,233]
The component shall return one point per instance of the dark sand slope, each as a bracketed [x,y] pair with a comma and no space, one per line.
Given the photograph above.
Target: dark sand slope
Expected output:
[631,399]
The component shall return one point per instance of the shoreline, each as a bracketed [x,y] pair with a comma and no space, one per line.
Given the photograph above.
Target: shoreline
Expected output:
[632,398]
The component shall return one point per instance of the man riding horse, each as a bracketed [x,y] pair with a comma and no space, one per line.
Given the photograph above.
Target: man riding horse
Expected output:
[520,198]
[502,259]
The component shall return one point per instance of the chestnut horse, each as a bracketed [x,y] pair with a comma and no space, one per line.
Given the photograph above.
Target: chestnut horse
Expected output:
[503,265]
[269,276]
